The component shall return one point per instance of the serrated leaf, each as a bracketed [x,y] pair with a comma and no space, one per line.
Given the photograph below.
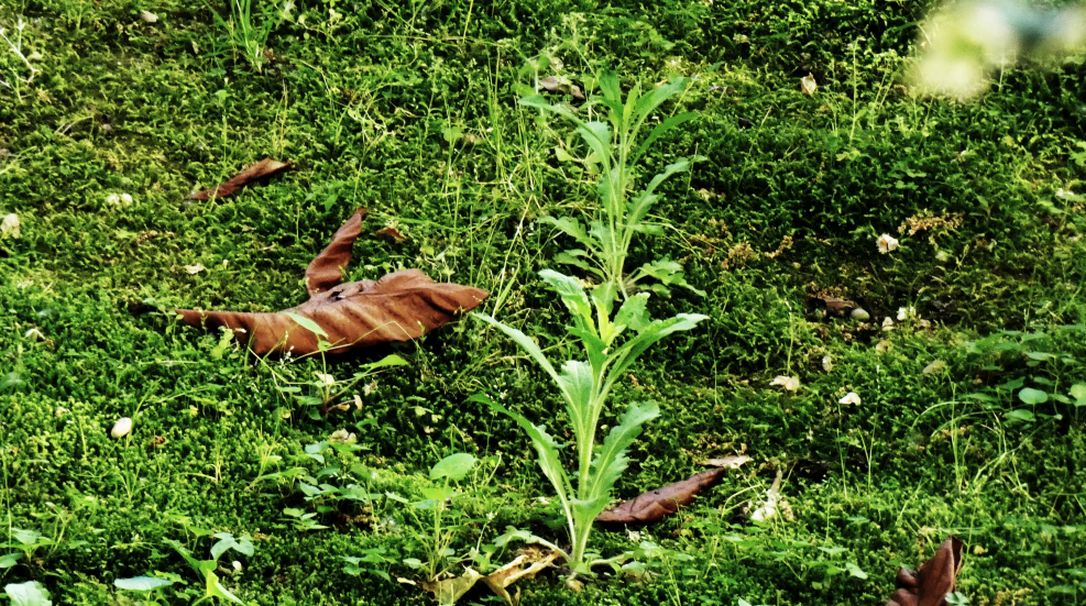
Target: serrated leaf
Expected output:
[571,292]
[611,460]
[634,313]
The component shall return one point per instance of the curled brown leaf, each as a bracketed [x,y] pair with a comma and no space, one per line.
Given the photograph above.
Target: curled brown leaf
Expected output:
[935,579]
[662,502]
[254,172]
[401,306]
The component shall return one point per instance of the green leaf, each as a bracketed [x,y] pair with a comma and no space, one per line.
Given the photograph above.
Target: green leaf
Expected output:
[570,291]
[1021,415]
[634,313]
[545,446]
[226,542]
[142,583]
[1032,396]
[30,593]
[854,570]
[571,227]
[215,588]
[10,559]
[660,130]
[611,460]
[307,324]
[577,385]
[658,329]
[454,467]
[388,361]
[651,100]
[527,344]
[538,102]
[598,137]
[26,537]
[1078,392]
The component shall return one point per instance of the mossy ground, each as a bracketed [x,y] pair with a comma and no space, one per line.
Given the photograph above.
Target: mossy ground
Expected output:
[411,111]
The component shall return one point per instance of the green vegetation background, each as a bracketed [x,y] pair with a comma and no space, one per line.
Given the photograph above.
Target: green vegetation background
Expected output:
[409,109]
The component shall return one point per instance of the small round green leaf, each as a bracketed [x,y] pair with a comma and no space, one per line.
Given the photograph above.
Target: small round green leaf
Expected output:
[1032,396]
[453,467]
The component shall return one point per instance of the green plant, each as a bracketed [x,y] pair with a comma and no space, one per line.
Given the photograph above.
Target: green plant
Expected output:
[323,391]
[205,569]
[584,387]
[248,33]
[20,71]
[616,146]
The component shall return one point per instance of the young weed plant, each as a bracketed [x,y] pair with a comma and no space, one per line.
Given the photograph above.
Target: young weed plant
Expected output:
[611,340]
[617,145]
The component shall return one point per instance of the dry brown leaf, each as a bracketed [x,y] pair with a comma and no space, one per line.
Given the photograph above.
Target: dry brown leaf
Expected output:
[935,579]
[728,462]
[448,591]
[561,84]
[254,172]
[401,306]
[808,85]
[525,566]
[391,234]
[662,502]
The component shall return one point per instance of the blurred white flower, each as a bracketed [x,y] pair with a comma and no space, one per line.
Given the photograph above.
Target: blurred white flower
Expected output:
[785,382]
[9,226]
[851,397]
[886,243]
[964,43]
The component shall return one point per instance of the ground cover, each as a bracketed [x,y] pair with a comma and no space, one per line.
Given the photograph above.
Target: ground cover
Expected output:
[967,420]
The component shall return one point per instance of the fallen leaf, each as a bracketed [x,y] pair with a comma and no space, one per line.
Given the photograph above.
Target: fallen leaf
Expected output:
[524,566]
[391,234]
[808,85]
[728,462]
[401,306]
[773,505]
[254,172]
[148,16]
[935,579]
[448,591]
[194,269]
[786,382]
[561,84]
[662,502]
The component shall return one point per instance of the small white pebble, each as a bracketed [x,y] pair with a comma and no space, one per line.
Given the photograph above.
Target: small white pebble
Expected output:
[907,313]
[860,314]
[121,428]
[850,398]
[827,363]
[887,324]
[237,565]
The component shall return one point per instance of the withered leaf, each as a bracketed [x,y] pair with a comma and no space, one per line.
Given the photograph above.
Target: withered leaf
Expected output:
[391,234]
[728,462]
[401,306]
[662,502]
[448,591]
[561,84]
[935,579]
[254,172]
[525,566]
